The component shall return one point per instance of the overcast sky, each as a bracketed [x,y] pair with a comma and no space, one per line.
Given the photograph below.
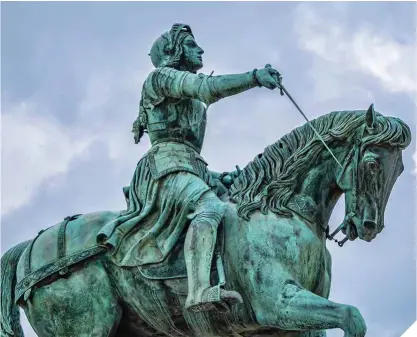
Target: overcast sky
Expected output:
[71,80]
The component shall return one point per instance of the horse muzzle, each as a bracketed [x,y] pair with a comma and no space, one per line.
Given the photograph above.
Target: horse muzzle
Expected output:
[368,227]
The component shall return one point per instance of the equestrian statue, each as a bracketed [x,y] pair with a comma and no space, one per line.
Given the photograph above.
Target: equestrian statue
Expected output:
[203,253]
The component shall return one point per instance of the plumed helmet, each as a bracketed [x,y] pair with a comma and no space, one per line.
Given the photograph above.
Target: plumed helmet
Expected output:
[167,49]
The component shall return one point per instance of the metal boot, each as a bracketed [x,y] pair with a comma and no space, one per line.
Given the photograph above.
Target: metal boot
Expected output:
[198,250]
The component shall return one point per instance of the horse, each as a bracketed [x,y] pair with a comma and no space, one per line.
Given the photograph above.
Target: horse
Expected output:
[272,246]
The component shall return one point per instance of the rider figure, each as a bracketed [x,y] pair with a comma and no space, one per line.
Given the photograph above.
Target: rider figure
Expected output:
[173,112]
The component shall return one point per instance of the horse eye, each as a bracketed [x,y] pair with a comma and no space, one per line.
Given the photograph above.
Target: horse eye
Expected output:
[372,165]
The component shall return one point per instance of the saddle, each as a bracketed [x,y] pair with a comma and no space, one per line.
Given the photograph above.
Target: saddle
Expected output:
[53,253]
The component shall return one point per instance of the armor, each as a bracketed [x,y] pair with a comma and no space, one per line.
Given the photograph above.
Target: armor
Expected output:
[167,114]
[170,157]
[174,103]
[173,111]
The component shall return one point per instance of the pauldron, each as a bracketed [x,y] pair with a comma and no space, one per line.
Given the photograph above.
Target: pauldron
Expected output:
[164,83]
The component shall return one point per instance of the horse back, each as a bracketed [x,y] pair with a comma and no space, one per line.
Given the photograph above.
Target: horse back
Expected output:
[60,246]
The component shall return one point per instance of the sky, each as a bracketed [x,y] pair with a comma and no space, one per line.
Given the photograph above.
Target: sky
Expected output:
[71,76]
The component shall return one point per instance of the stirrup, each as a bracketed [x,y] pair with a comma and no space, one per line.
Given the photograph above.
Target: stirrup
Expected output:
[216,298]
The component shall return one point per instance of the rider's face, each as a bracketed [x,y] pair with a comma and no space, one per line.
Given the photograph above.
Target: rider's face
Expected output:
[192,56]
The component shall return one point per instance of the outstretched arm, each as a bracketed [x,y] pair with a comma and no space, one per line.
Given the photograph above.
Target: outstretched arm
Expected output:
[172,83]
[210,89]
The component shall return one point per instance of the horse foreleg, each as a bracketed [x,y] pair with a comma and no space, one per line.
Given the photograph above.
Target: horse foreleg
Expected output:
[300,310]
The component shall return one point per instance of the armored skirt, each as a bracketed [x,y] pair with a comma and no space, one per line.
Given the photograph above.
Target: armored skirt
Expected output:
[157,214]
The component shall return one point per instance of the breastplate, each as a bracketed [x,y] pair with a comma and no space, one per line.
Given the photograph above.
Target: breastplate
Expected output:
[182,121]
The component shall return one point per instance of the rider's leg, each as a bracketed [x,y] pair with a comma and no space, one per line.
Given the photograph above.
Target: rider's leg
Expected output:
[199,248]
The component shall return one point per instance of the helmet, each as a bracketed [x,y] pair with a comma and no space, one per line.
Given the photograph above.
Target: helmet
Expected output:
[167,49]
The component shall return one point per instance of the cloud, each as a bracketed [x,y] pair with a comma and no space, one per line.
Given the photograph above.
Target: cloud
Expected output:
[347,51]
[34,148]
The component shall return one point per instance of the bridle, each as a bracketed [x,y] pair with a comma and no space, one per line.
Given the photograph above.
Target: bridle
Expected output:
[351,211]
[354,155]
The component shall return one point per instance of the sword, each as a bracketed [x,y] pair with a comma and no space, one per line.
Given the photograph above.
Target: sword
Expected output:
[284,91]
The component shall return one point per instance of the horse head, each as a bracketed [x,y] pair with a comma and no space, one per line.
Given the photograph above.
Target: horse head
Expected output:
[368,147]
[369,172]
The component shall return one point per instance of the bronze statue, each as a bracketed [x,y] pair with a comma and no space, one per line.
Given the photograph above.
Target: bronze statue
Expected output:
[199,253]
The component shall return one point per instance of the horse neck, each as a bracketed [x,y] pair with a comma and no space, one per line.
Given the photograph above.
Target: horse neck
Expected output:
[319,184]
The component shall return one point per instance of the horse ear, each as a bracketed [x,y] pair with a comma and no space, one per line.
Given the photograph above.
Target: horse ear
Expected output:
[370,118]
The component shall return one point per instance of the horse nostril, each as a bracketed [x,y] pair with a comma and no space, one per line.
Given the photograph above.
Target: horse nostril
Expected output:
[369,225]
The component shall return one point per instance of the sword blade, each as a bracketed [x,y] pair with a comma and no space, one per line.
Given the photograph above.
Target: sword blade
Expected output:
[309,123]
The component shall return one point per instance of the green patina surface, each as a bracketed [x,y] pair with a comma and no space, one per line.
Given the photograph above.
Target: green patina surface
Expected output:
[201,253]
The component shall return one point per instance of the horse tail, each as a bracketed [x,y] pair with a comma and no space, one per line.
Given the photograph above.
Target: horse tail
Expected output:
[10,315]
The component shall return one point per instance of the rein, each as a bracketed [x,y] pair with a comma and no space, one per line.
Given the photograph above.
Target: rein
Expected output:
[347,221]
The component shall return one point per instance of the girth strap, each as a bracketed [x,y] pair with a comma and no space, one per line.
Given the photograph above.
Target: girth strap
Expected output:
[29,253]
[60,265]
[61,240]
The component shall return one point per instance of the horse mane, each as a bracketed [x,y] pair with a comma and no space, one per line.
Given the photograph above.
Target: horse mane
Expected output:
[268,182]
